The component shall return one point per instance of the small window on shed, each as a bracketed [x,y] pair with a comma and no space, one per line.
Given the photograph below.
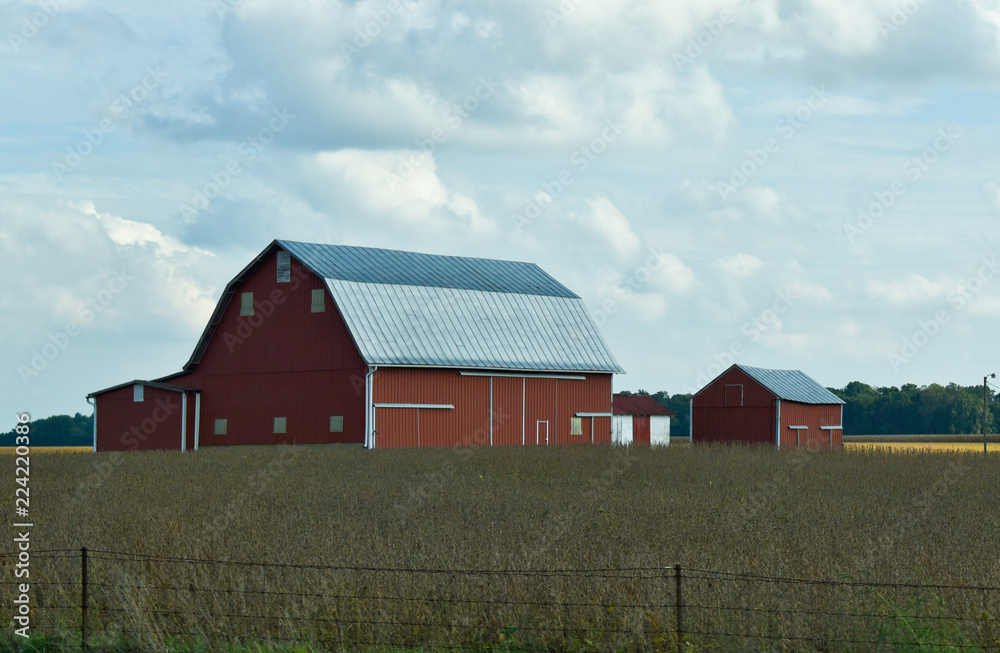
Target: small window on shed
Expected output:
[137,392]
[284,267]
[576,426]
[336,423]
[318,301]
[246,304]
[734,394]
[279,425]
[221,426]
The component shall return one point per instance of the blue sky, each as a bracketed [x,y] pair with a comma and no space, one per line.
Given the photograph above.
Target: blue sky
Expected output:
[802,185]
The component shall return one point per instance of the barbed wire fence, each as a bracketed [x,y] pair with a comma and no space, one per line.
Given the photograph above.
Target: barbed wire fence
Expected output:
[95,598]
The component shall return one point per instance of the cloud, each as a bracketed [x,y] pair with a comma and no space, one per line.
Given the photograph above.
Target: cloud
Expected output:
[611,227]
[739,265]
[911,289]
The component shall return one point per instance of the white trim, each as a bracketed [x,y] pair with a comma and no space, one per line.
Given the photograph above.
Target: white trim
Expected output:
[491,410]
[445,406]
[94,404]
[691,420]
[831,428]
[369,408]
[197,418]
[797,427]
[592,414]
[528,375]
[184,421]
[777,427]
[524,383]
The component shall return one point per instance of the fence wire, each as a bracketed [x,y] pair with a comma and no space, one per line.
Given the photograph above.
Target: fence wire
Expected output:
[146,600]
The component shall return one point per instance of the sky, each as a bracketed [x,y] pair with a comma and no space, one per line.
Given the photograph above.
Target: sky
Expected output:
[786,184]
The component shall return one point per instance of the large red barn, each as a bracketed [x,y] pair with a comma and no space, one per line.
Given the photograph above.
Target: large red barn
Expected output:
[327,343]
[784,408]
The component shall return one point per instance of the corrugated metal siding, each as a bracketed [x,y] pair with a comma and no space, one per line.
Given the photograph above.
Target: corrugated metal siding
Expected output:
[754,422]
[468,423]
[383,266]
[154,423]
[415,325]
[813,416]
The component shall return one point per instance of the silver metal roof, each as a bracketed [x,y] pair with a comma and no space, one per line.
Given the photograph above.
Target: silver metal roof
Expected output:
[792,385]
[370,265]
[420,325]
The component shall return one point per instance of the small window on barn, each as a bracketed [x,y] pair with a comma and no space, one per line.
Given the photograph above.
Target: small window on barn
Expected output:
[734,394]
[279,425]
[318,301]
[220,426]
[336,423]
[576,426]
[137,392]
[284,267]
[246,304]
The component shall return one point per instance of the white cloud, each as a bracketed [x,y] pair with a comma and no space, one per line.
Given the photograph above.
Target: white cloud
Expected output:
[911,289]
[611,227]
[739,265]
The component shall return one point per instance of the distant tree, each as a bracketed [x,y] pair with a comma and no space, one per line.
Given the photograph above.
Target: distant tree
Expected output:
[57,431]
[680,423]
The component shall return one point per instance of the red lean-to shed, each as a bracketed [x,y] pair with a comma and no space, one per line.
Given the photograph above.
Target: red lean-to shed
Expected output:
[327,343]
[784,408]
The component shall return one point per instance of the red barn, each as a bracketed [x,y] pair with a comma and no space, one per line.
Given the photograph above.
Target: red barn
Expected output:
[785,408]
[327,343]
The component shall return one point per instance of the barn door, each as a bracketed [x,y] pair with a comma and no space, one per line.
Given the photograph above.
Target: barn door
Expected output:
[640,429]
[542,432]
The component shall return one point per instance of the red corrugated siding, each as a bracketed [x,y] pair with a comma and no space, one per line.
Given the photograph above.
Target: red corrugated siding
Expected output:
[813,416]
[754,422]
[154,423]
[550,400]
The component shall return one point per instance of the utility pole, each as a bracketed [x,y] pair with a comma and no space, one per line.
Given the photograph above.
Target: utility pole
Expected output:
[984,409]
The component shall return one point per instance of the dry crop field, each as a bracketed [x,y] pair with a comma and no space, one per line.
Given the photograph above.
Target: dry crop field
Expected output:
[556,549]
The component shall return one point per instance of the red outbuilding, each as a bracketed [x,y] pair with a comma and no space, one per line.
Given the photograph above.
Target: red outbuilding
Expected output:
[640,419]
[327,343]
[784,408]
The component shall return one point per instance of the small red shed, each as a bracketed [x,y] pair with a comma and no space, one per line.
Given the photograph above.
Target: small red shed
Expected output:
[640,419]
[753,405]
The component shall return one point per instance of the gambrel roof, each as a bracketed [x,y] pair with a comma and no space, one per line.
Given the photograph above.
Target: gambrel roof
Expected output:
[411,309]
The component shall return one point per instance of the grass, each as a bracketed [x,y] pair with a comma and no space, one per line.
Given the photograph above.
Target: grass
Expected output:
[895,516]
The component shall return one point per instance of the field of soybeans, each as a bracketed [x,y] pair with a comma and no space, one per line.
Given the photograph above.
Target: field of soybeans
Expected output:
[333,548]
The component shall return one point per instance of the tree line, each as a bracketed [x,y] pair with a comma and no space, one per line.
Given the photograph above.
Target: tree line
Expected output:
[906,410]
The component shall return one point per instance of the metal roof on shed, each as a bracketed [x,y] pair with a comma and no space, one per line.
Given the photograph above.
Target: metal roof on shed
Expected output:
[638,405]
[421,325]
[792,385]
[371,265]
